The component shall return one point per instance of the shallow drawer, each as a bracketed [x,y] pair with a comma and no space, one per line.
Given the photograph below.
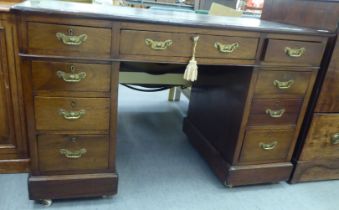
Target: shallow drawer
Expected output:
[56,76]
[286,51]
[273,84]
[54,39]
[274,112]
[266,145]
[63,152]
[155,43]
[58,113]
[227,47]
[323,138]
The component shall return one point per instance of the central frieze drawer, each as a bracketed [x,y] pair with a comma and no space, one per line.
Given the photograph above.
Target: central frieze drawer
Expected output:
[266,145]
[180,45]
[72,152]
[81,114]
[276,84]
[55,39]
[299,52]
[274,112]
[57,76]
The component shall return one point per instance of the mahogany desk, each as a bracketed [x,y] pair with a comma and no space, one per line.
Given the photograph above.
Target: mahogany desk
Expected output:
[245,111]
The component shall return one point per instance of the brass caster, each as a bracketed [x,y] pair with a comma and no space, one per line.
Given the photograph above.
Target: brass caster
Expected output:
[228,185]
[46,202]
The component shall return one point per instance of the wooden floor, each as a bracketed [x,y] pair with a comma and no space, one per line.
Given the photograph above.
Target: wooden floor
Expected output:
[159,170]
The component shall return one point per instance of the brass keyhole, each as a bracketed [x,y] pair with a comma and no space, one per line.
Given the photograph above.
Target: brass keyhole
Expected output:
[73,104]
[72,68]
[70,32]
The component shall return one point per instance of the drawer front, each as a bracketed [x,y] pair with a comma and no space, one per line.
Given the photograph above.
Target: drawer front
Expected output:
[266,145]
[155,43]
[286,51]
[59,114]
[323,138]
[63,152]
[275,84]
[57,76]
[274,112]
[54,39]
[227,47]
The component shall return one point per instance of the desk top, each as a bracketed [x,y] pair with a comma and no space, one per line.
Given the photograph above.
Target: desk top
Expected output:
[160,17]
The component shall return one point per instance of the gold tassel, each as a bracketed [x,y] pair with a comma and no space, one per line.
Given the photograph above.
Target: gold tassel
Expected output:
[191,72]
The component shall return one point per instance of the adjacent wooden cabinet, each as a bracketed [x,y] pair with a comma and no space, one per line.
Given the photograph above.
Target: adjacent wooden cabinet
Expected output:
[13,144]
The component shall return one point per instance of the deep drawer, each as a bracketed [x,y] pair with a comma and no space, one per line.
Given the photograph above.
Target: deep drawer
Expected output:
[299,52]
[57,76]
[274,112]
[59,113]
[277,84]
[322,140]
[55,39]
[73,152]
[266,145]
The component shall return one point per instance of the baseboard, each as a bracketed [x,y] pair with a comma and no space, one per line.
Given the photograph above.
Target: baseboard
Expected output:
[14,166]
[315,170]
[72,186]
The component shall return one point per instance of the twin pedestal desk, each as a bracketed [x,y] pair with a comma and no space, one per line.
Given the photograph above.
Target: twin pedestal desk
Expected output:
[246,108]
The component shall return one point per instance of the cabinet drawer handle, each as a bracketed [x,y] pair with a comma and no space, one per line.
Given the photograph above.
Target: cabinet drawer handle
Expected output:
[283,85]
[269,146]
[71,39]
[335,138]
[73,154]
[275,113]
[226,48]
[72,115]
[158,45]
[295,52]
[71,77]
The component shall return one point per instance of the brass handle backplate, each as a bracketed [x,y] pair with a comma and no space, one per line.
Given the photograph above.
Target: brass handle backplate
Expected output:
[73,154]
[158,45]
[295,52]
[335,138]
[283,85]
[72,115]
[269,146]
[71,77]
[71,39]
[275,113]
[226,48]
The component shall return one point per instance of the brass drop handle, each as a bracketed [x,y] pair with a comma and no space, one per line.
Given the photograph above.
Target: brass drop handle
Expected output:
[158,45]
[71,77]
[71,39]
[269,146]
[72,115]
[283,85]
[73,154]
[335,138]
[226,48]
[295,52]
[275,113]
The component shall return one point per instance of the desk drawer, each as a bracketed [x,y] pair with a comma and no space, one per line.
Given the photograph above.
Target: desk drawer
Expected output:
[55,39]
[227,47]
[299,52]
[273,84]
[266,145]
[322,140]
[155,43]
[57,76]
[68,152]
[274,112]
[59,114]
